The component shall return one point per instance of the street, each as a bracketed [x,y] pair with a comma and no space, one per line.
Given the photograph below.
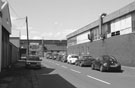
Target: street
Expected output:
[16,77]
[55,74]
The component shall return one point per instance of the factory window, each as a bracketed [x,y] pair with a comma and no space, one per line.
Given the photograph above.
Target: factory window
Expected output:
[121,26]
[96,35]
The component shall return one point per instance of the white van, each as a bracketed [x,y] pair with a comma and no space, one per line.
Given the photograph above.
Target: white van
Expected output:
[72,58]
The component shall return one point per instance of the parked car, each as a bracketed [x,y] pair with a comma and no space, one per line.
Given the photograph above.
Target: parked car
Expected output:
[54,56]
[49,56]
[23,57]
[106,63]
[33,62]
[84,60]
[72,58]
[64,58]
[58,58]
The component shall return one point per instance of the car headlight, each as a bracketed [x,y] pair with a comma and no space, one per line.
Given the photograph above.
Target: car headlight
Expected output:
[105,64]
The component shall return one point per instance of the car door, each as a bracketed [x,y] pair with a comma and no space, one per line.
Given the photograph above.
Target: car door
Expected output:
[68,58]
[97,63]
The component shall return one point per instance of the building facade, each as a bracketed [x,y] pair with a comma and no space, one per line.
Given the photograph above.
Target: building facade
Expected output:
[5,30]
[112,34]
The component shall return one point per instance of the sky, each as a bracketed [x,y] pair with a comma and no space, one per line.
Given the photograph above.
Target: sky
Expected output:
[54,19]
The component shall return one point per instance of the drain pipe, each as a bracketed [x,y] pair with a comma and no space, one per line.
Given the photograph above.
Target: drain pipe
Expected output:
[101,23]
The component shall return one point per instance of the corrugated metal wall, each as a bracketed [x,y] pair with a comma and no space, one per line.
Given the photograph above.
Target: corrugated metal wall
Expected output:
[10,53]
[5,47]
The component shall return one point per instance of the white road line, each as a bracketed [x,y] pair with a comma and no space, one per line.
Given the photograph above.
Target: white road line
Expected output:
[99,80]
[57,64]
[129,67]
[64,66]
[75,71]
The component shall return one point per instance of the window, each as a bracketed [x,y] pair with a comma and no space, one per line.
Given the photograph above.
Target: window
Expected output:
[123,25]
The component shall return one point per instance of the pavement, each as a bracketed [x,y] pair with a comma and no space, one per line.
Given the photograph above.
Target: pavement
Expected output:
[18,77]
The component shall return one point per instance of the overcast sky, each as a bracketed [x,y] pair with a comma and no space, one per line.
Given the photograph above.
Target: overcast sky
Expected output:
[54,19]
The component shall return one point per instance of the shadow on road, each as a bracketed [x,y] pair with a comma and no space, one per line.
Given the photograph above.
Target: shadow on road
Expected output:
[16,77]
[48,80]
[121,71]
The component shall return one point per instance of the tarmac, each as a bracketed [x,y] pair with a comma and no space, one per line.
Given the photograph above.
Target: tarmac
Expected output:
[18,77]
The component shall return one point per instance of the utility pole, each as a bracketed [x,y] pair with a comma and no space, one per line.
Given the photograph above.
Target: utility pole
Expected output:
[43,47]
[27,37]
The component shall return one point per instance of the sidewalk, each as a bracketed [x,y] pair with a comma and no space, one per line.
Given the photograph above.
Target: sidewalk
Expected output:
[17,77]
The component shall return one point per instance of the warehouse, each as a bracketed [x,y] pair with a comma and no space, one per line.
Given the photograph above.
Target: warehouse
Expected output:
[5,31]
[112,34]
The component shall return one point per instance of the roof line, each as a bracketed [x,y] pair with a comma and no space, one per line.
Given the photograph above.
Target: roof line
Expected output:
[118,13]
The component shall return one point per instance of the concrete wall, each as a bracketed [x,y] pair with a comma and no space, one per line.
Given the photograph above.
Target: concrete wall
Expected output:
[122,47]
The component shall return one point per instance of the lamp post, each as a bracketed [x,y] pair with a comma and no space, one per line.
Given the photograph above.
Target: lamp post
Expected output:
[27,37]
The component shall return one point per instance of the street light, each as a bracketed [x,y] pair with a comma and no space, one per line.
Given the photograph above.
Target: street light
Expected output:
[27,33]
[27,36]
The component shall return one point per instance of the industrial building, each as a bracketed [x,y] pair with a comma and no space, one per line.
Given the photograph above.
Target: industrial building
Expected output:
[5,31]
[41,47]
[112,34]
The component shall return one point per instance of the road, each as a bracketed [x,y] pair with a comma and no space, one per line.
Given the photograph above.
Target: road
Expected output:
[55,74]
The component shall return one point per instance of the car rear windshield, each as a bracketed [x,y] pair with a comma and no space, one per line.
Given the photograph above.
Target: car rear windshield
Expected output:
[74,56]
[86,57]
[109,58]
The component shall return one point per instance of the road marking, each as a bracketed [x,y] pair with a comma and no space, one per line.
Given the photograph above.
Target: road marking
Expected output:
[57,64]
[128,67]
[98,80]
[75,71]
[64,66]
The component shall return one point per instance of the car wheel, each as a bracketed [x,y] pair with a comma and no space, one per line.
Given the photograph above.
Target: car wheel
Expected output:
[81,65]
[76,63]
[92,67]
[101,68]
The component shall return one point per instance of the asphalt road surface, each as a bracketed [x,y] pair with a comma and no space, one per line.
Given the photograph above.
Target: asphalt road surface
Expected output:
[55,74]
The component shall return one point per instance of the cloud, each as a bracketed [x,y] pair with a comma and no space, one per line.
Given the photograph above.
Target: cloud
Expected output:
[36,37]
[56,23]
[32,32]
[19,23]
[23,37]
[57,35]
